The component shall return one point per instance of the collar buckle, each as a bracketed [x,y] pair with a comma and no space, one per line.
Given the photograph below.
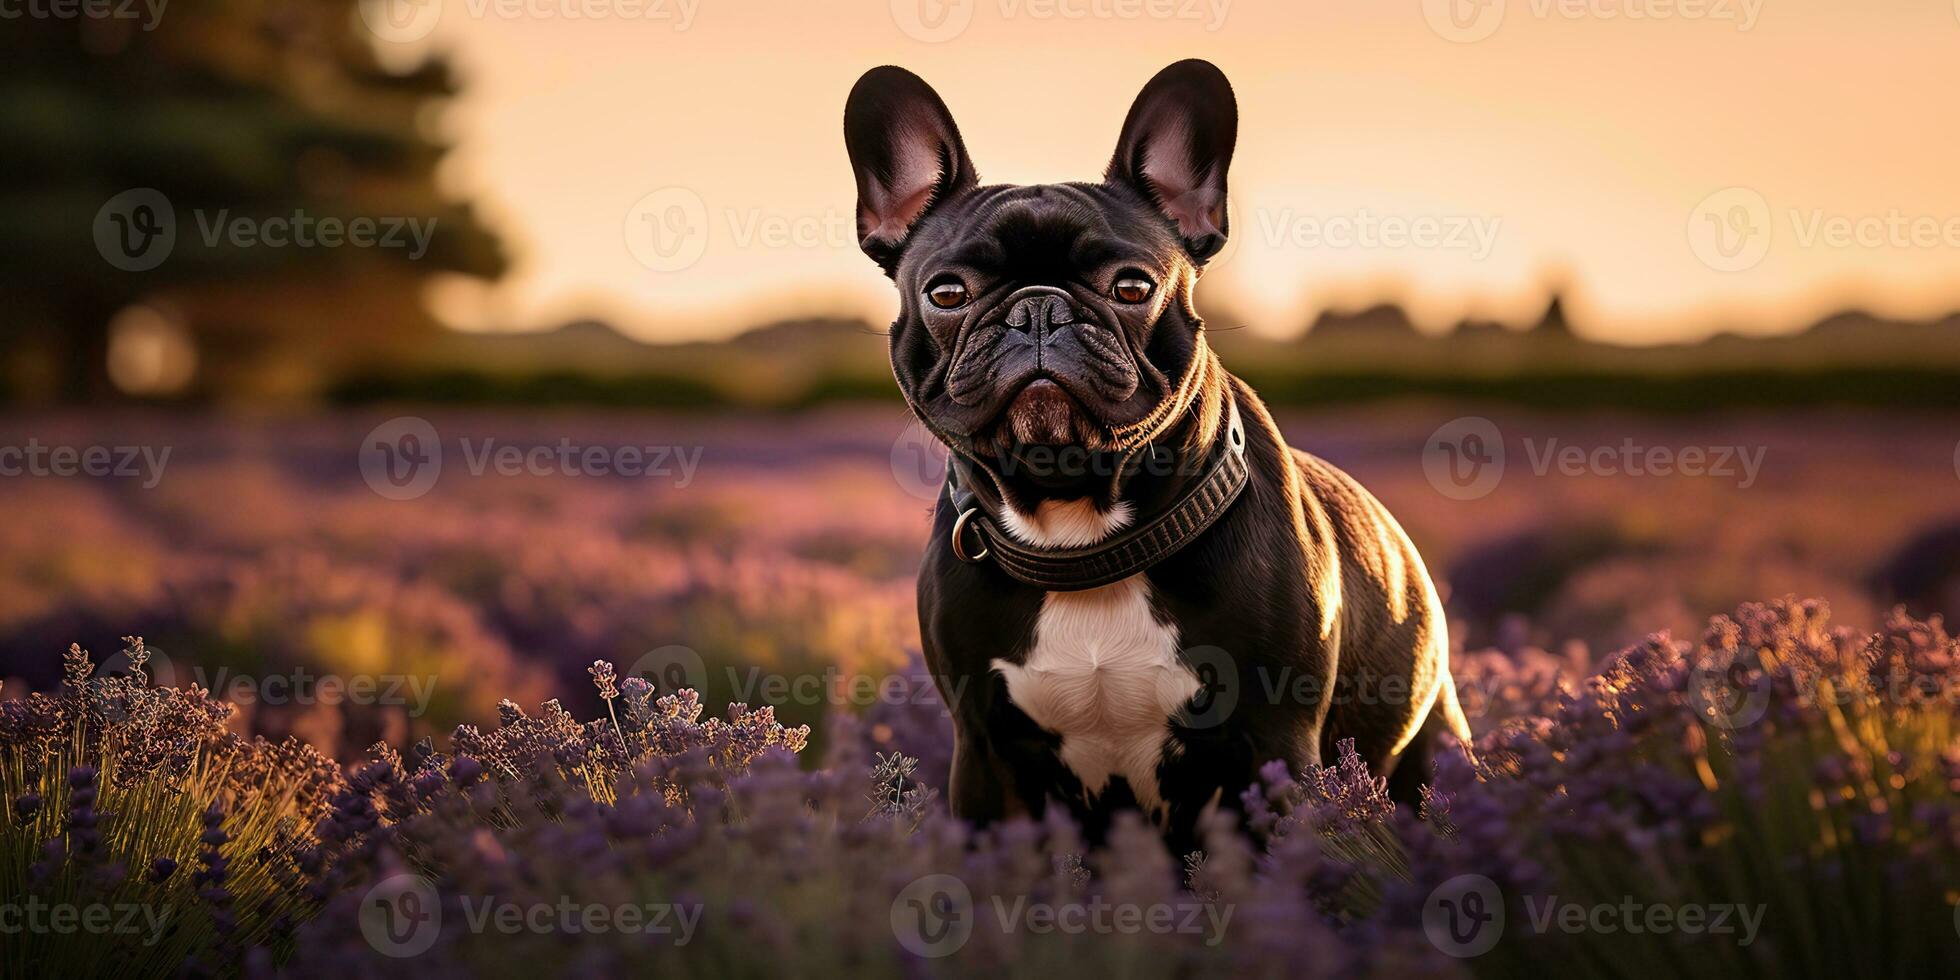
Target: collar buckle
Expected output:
[959,538]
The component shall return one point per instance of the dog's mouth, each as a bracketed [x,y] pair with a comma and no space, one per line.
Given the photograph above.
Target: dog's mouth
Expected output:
[1042,413]
[1046,436]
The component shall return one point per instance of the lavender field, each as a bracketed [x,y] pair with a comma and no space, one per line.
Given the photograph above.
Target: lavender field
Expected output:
[1790,770]
[778,546]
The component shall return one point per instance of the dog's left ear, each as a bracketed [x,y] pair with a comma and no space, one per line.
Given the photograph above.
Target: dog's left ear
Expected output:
[1176,146]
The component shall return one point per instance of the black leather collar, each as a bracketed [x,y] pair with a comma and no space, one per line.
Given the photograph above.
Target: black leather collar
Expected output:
[978,537]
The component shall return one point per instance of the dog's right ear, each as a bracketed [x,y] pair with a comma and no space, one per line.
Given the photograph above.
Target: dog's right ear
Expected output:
[907,154]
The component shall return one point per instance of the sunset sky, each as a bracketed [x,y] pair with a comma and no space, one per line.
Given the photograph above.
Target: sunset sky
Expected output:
[1680,165]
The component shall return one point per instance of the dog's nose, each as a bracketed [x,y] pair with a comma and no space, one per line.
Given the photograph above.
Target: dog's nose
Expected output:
[1039,313]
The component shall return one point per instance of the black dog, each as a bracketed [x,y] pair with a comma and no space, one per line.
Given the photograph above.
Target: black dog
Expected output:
[1136,594]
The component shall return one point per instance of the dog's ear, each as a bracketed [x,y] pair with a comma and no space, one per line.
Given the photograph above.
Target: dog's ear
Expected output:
[907,154]
[1175,148]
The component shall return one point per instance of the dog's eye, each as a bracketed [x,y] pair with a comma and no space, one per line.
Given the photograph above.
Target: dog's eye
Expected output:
[1131,288]
[949,294]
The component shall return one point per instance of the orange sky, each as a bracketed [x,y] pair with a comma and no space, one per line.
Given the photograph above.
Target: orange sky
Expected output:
[676,165]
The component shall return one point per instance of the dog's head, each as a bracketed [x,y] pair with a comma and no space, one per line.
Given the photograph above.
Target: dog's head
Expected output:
[1046,322]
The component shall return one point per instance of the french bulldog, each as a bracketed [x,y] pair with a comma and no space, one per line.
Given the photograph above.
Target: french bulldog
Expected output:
[1136,594]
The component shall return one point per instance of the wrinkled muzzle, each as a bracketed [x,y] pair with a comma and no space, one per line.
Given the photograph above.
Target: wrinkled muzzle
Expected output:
[1041,333]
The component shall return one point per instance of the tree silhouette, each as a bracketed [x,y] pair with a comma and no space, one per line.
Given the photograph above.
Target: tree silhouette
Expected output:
[134,144]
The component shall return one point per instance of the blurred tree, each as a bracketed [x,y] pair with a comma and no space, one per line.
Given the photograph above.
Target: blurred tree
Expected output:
[135,143]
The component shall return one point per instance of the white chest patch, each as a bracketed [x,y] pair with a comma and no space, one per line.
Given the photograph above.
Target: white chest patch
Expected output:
[1104,674]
